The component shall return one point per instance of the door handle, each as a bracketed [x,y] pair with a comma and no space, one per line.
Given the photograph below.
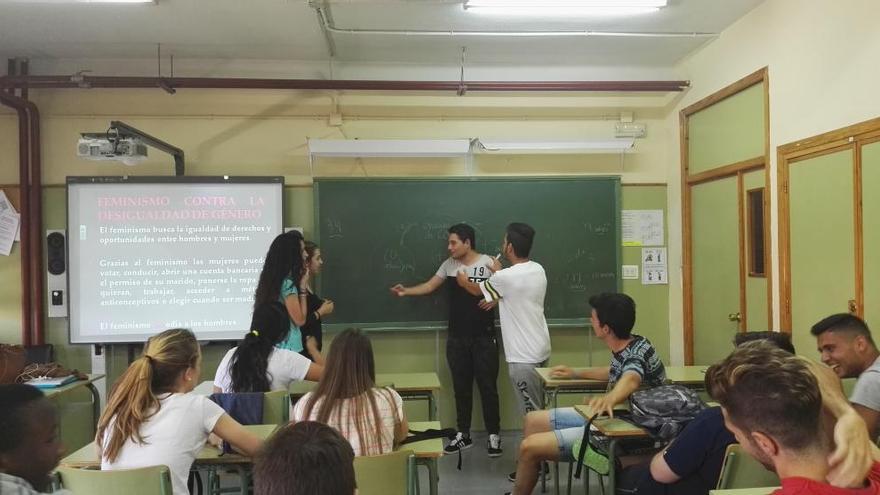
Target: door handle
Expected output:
[734,316]
[853,307]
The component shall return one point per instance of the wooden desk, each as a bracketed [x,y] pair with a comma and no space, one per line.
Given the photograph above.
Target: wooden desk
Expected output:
[89,383]
[555,386]
[410,386]
[210,458]
[87,457]
[767,490]
[426,453]
[688,376]
[616,430]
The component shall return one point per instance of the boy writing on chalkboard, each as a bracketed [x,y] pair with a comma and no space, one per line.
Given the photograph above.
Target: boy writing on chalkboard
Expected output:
[472,349]
[519,292]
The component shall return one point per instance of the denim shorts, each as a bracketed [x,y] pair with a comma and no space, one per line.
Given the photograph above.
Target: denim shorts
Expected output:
[568,425]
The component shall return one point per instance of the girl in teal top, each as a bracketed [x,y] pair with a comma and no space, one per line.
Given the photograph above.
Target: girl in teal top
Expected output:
[282,279]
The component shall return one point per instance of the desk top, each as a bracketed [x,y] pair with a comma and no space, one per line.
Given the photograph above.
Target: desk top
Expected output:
[426,448]
[49,392]
[579,383]
[402,382]
[87,457]
[745,491]
[689,376]
[612,427]
[686,375]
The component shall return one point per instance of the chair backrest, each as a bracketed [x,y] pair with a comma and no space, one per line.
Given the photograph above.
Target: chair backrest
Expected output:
[276,407]
[740,470]
[386,474]
[153,480]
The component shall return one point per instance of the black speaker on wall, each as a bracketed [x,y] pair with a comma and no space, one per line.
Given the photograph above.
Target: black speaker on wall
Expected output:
[56,278]
[55,253]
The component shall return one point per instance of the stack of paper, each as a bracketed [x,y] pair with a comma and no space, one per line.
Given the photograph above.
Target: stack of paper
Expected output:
[9,220]
[50,382]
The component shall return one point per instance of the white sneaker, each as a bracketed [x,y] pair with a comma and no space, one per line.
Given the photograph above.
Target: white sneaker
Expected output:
[494,447]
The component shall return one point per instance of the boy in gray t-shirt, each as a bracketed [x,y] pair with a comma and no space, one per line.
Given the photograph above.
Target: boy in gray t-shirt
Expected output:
[846,345]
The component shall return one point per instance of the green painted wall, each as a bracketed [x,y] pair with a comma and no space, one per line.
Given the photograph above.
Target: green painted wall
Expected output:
[822,251]
[727,132]
[397,351]
[871,232]
[715,265]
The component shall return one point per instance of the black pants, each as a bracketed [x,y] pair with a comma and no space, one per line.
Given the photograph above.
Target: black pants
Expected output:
[474,358]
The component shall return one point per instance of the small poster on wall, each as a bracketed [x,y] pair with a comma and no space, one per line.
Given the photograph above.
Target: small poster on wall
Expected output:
[642,227]
[654,270]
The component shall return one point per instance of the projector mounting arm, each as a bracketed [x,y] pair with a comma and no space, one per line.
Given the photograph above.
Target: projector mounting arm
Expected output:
[121,130]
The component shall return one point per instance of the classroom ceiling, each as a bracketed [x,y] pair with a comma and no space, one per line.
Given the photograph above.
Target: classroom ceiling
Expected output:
[290,30]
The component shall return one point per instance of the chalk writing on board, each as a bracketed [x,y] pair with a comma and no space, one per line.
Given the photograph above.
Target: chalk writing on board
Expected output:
[598,228]
[394,262]
[575,282]
[404,230]
[334,228]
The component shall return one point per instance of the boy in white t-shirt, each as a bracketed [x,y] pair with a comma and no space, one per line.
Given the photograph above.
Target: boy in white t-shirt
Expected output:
[519,293]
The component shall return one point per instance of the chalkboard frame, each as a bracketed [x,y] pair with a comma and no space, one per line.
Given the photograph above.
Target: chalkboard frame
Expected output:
[442,324]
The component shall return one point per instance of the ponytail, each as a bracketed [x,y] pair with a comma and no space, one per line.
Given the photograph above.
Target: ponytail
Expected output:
[134,398]
[249,365]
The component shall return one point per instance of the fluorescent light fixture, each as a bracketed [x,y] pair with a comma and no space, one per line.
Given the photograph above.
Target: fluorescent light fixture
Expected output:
[565,7]
[389,147]
[79,1]
[561,147]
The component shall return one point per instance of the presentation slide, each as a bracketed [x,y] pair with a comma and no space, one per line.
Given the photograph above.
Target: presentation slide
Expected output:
[148,254]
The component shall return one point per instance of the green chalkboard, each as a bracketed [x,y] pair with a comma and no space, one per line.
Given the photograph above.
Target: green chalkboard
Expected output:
[375,233]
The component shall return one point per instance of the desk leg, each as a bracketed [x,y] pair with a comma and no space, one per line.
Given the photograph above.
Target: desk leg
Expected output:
[433,475]
[612,466]
[556,464]
[432,407]
[96,407]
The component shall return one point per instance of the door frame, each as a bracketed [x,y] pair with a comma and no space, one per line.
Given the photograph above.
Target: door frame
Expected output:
[852,137]
[761,76]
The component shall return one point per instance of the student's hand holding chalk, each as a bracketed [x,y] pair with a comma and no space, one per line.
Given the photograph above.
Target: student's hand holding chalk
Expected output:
[496,263]
[398,290]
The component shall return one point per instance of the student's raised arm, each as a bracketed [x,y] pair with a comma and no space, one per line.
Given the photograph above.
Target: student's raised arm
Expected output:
[296,300]
[854,452]
[422,289]
[230,430]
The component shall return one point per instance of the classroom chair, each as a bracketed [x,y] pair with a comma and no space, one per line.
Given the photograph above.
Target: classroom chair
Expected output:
[386,474]
[276,407]
[153,480]
[740,470]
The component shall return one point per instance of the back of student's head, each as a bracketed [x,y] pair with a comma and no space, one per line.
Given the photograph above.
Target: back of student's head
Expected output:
[284,259]
[29,446]
[520,236]
[349,374]
[763,388]
[846,324]
[305,458]
[617,310]
[15,400]
[779,339]
[269,326]
[349,369]
[465,233]
[167,356]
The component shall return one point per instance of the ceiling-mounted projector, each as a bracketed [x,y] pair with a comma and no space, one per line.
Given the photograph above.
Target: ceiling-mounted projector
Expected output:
[128,150]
